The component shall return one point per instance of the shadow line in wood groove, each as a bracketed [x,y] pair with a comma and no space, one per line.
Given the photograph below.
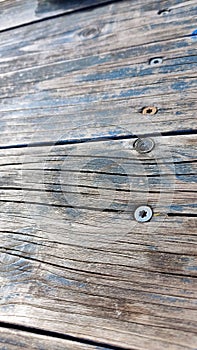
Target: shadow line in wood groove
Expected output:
[99,139]
[57,335]
[64,13]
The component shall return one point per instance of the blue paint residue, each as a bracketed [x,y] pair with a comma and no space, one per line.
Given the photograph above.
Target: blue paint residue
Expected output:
[181,207]
[152,247]
[167,298]
[194,34]
[180,85]
[186,280]
[192,268]
[64,281]
[184,178]
[184,258]
[176,207]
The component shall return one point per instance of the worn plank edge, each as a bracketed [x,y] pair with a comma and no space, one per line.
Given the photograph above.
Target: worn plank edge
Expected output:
[60,13]
[24,331]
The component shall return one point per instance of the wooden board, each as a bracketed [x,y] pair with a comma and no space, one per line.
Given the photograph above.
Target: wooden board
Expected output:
[104,175]
[21,12]
[138,291]
[14,339]
[76,270]
[83,266]
[89,74]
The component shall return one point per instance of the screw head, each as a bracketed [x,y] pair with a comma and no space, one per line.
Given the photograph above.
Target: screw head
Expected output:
[164,12]
[155,61]
[144,145]
[143,213]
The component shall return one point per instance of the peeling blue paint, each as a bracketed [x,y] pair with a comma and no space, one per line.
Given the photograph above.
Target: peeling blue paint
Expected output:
[180,85]
[186,280]
[175,65]
[192,268]
[12,341]
[183,206]
[176,207]
[185,259]
[168,298]
[184,178]
[194,34]
[7,308]
[152,247]
[64,281]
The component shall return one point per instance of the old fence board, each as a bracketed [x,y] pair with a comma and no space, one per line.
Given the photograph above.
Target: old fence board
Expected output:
[133,292]
[89,74]
[97,274]
[72,258]
[20,12]
[104,175]
[17,340]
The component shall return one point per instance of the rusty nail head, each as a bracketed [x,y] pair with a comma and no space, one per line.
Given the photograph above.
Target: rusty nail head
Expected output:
[150,110]
[144,145]
[143,213]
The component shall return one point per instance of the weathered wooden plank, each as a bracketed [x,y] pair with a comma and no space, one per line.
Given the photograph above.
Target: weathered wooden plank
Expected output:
[73,259]
[107,276]
[14,339]
[134,292]
[95,84]
[20,12]
[105,175]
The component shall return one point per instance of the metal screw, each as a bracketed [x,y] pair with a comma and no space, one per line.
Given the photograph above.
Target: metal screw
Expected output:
[164,11]
[149,110]
[143,213]
[155,61]
[144,145]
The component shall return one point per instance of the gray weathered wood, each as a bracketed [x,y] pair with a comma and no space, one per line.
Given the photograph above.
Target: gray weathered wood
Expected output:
[17,340]
[72,258]
[137,291]
[109,175]
[96,85]
[20,12]
[107,277]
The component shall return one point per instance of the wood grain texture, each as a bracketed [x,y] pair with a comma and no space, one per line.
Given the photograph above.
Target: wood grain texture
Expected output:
[88,74]
[137,292]
[104,176]
[20,12]
[17,340]
[72,258]
[83,266]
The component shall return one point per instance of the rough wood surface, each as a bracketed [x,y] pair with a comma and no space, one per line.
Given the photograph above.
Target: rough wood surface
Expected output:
[137,293]
[17,340]
[20,12]
[104,175]
[94,273]
[72,258]
[88,74]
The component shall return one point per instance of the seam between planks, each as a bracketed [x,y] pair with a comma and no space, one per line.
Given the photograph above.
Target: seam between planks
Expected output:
[57,335]
[97,139]
[66,13]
